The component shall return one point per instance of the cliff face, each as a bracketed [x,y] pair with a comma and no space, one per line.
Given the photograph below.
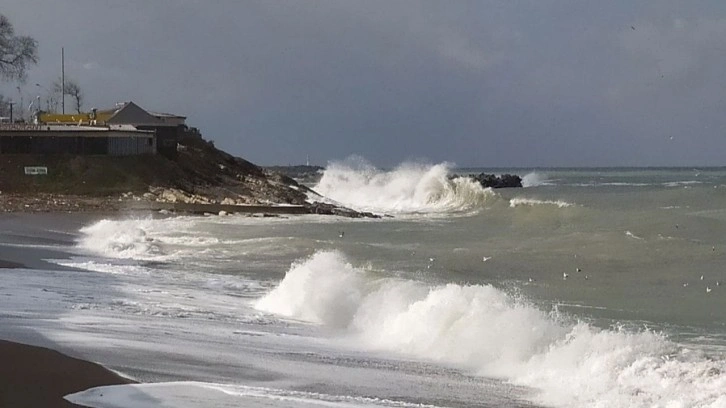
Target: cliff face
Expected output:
[201,172]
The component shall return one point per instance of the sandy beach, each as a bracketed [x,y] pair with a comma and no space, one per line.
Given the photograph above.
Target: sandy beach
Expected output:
[32,376]
[39,377]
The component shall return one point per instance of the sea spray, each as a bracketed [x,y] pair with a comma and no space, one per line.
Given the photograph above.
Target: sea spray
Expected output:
[144,238]
[409,188]
[489,332]
[324,289]
[534,179]
[119,239]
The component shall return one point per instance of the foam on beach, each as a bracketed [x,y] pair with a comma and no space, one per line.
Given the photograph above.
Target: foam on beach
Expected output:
[190,394]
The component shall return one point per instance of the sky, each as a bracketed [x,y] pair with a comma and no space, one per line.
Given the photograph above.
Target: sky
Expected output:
[535,83]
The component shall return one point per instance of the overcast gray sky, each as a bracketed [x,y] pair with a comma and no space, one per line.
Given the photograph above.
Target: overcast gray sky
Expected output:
[480,83]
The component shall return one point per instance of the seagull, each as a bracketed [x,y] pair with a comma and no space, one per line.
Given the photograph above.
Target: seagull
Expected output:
[342,233]
[701,277]
[685,285]
[485,258]
[564,275]
[586,277]
[708,290]
[530,280]
[578,270]
[718,283]
[432,259]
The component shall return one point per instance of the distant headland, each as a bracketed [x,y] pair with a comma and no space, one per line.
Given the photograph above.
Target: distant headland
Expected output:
[131,158]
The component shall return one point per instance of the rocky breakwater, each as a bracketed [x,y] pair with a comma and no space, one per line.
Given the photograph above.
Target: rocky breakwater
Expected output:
[493,180]
[277,202]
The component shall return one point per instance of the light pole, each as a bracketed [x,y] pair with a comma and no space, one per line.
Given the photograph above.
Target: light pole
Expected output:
[22,115]
[11,103]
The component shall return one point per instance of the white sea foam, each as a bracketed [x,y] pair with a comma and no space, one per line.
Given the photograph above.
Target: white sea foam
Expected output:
[146,239]
[409,188]
[120,239]
[104,267]
[493,334]
[631,235]
[534,179]
[682,183]
[192,394]
[531,202]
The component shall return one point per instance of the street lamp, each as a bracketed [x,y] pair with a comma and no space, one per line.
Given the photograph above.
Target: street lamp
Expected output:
[22,104]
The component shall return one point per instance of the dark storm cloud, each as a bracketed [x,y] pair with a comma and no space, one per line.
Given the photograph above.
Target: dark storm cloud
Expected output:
[476,83]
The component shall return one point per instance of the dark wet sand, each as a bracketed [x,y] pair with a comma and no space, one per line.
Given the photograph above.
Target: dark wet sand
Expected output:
[39,377]
[10,264]
[35,376]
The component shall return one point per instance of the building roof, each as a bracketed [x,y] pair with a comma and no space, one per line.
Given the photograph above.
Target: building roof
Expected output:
[132,114]
[126,113]
[167,115]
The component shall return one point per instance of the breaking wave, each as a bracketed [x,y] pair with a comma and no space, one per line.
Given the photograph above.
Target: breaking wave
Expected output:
[409,188]
[534,179]
[491,333]
[145,238]
[120,239]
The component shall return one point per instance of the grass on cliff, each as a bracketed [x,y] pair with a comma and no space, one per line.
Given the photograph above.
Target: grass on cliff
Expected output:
[199,165]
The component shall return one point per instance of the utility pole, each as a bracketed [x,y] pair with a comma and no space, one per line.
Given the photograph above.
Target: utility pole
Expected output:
[11,103]
[22,115]
[63,80]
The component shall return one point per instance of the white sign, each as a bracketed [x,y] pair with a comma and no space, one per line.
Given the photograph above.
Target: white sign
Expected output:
[36,170]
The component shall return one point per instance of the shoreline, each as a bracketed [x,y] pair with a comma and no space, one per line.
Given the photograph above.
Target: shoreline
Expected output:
[63,203]
[32,376]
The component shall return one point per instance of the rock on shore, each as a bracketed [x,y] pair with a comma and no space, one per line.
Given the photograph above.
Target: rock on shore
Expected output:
[494,181]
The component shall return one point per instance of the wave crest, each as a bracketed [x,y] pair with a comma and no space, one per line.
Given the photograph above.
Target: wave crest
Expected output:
[491,333]
[409,188]
[119,239]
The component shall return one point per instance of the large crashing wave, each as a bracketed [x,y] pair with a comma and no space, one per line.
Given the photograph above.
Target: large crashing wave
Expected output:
[409,188]
[491,333]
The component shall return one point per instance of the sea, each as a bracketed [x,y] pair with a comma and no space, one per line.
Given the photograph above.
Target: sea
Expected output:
[588,287]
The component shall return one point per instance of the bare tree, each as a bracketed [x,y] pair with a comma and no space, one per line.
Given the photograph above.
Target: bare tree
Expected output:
[71,88]
[16,52]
